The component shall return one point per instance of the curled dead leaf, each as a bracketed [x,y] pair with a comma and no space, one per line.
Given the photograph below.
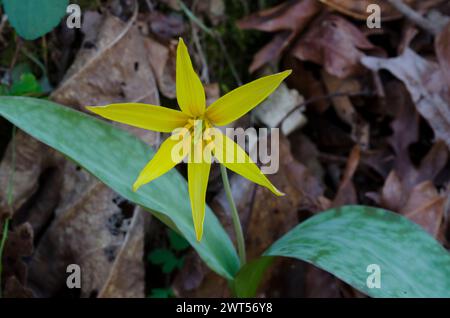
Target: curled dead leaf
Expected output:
[425,82]
[288,18]
[335,43]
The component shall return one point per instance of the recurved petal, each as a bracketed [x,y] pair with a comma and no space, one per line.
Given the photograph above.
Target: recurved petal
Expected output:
[145,116]
[198,174]
[169,154]
[238,102]
[190,92]
[232,156]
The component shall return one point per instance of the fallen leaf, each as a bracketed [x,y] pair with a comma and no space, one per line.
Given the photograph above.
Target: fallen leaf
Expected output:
[14,289]
[162,59]
[426,84]
[288,18]
[393,196]
[426,207]
[166,26]
[88,207]
[120,53]
[442,47]
[24,161]
[335,43]
[345,109]
[18,247]
[346,193]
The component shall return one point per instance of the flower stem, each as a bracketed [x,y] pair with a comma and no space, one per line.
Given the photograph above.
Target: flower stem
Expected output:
[234,216]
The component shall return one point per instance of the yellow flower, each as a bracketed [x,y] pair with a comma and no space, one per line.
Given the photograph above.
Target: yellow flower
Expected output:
[195,132]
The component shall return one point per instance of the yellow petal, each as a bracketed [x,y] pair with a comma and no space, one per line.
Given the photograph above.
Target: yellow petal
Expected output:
[165,159]
[232,156]
[190,92]
[145,116]
[198,174]
[238,102]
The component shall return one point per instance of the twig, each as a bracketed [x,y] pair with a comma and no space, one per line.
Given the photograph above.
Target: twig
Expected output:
[319,98]
[414,16]
[16,54]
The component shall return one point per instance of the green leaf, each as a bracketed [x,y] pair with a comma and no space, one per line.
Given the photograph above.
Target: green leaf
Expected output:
[26,85]
[345,241]
[168,261]
[162,293]
[34,18]
[246,282]
[177,242]
[20,69]
[116,157]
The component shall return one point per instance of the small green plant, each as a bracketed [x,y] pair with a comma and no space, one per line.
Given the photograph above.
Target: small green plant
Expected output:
[25,85]
[168,258]
[21,82]
[161,293]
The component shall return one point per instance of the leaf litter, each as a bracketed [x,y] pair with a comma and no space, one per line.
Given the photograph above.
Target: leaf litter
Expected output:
[371,127]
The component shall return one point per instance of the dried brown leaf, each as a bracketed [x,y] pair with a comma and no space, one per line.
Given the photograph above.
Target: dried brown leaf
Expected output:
[288,18]
[335,43]
[346,193]
[442,46]
[425,82]
[426,207]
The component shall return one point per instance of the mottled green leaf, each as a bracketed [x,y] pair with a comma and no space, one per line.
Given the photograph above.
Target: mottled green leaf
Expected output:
[346,240]
[250,276]
[116,157]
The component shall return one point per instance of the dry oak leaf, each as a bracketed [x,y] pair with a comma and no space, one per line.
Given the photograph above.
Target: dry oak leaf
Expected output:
[115,69]
[442,46]
[19,246]
[422,204]
[335,43]
[112,259]
[426,84]
[90,229]
[288,18]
